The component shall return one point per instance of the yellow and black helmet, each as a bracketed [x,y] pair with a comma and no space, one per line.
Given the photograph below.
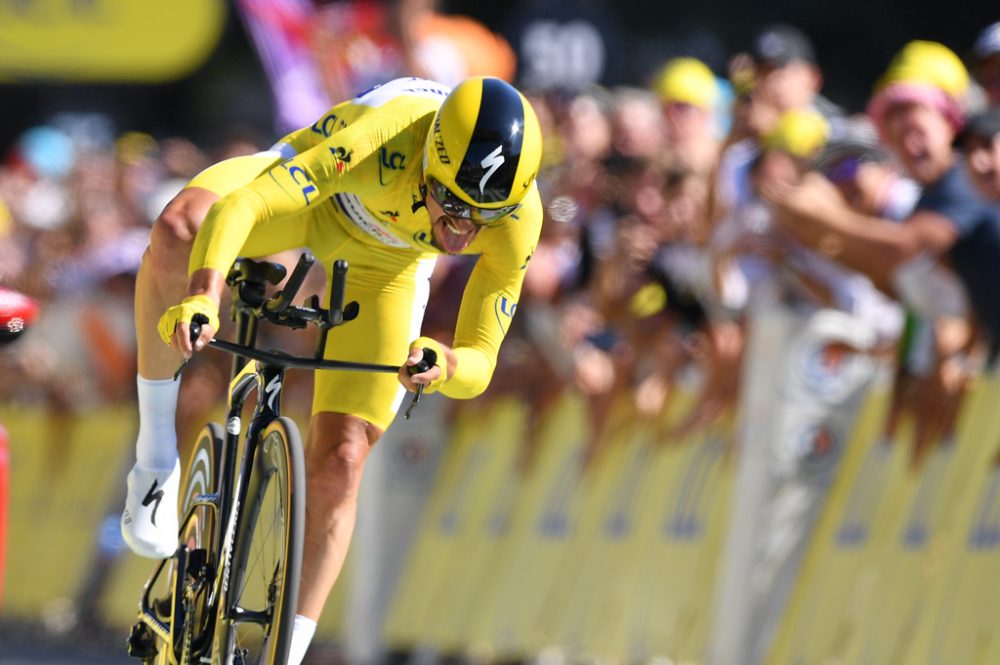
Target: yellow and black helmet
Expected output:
[485,145]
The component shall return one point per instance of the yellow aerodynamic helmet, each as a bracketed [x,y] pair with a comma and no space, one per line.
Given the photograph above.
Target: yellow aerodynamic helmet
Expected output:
[483,151]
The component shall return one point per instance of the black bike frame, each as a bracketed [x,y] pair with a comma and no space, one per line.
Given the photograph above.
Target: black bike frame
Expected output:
[266,379]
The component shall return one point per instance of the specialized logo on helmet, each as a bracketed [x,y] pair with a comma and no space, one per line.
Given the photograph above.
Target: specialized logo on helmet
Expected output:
[491,163]
[442,153]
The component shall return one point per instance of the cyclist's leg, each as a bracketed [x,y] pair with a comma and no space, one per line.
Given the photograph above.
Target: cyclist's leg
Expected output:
[162,276]
[352,409]
[336,450]
[160,283]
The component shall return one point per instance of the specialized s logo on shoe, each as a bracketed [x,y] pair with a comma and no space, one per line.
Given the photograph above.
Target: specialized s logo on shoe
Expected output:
[153,495]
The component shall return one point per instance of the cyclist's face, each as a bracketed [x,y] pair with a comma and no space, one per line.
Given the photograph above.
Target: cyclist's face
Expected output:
[452,234]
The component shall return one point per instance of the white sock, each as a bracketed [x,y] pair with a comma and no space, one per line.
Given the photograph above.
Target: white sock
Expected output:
[302,633]
[156,445]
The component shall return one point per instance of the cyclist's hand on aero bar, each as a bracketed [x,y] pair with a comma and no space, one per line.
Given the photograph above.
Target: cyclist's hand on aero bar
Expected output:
[411,374]
[175,324]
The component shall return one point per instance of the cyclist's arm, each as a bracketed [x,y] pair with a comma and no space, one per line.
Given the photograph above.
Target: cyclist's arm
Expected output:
[490,299]
[346,161]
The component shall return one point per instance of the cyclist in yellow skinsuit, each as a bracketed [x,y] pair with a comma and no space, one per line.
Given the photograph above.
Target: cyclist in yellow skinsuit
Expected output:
[387,181]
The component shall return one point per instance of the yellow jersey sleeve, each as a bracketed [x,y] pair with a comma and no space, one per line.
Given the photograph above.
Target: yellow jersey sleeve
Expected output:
[490,297]
[346,161]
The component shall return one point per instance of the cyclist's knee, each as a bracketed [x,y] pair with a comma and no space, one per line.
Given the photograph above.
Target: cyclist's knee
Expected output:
[174,230]
[337,454]
[347,460]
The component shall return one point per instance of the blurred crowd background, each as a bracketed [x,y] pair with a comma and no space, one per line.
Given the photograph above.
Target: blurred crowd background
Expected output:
[699,164]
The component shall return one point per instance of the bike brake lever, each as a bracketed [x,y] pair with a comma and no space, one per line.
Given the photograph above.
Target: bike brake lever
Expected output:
[429,360]
[413,402]
[194,332]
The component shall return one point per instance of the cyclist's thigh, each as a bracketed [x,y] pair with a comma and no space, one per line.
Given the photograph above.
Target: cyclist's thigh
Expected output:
[391,286]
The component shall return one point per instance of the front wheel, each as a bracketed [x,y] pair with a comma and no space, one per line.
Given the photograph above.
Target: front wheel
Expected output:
[267,553]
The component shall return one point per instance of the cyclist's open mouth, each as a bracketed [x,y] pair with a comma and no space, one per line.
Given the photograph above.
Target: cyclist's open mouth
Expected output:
[453,235]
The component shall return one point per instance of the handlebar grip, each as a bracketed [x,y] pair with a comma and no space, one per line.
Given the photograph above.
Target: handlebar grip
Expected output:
[194,330]
[428,361]
[292,286]
[338,282]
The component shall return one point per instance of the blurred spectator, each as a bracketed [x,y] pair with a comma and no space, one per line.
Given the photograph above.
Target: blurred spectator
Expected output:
[689,97]
[980,143]
[868,177]
[918,108]
[985,60]
[449,48]
[779,74]
[638,130]
[786,71]
[314,54]
[587,141]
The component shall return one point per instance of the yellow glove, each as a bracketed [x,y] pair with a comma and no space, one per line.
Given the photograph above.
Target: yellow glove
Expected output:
[438,348]
[200,304]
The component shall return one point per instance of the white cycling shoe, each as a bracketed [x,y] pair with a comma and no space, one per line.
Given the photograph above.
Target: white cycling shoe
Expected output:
[149,521]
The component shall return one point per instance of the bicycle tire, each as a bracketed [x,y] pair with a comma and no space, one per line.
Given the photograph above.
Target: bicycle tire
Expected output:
[267,553]
[198,532]
[201,476]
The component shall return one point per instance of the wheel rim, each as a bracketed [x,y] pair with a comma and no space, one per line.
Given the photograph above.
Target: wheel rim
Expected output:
[197,534]
[259,585]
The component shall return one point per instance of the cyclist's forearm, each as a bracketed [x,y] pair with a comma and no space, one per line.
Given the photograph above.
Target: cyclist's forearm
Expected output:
[471,373]
[225,230]
[207,281]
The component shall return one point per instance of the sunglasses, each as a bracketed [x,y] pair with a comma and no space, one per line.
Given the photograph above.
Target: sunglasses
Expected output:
[456,207]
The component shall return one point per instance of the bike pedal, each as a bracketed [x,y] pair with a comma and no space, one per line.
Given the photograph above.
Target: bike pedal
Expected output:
[141,642]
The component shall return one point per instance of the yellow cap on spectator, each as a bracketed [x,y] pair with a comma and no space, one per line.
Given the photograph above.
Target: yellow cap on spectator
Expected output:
[928,63]
[925,73]
[689,81]
[133,147]
[648,300]
[799,133]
